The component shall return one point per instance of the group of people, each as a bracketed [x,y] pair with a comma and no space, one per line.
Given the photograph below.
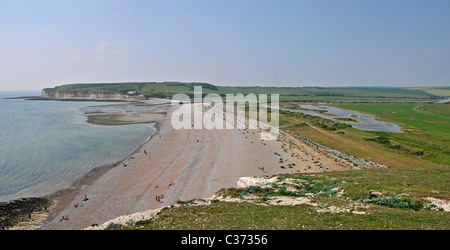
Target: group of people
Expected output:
[77,205]
[64,218]
[85,198]
[159,197]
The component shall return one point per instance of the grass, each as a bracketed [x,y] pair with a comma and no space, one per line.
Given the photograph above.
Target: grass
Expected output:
[245,216]
[415,182]
[439,91]
[349,140]
[427,118]
[425,141]
[426,126]
[406,210]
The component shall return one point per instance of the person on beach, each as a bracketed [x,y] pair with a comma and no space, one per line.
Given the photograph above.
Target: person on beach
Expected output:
[77,205]
[145,152]
[64,218]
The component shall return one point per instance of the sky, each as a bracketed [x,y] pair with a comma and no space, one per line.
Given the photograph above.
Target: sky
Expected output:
[401,43]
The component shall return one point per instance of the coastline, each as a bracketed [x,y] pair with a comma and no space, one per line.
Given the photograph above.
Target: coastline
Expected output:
[28,213]
[201,162]
[63,198]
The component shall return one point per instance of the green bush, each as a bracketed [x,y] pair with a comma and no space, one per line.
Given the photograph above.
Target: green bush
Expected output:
[143,222]
[382,139]
[395,202]
[114,226]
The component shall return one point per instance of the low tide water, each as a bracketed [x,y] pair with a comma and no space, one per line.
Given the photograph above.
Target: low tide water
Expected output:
[47,145]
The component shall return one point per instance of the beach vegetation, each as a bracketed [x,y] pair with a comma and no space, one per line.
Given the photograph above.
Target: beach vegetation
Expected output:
[113,226]
[400,205]
[395,202]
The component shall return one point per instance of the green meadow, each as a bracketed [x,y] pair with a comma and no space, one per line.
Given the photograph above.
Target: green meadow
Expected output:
[426,127]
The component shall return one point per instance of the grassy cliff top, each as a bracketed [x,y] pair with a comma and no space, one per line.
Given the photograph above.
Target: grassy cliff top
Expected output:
[168,89]
[362,200]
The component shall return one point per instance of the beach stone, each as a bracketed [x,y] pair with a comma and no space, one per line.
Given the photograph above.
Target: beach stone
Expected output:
[12,211]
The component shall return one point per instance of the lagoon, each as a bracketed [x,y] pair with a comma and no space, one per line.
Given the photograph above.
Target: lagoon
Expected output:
[362,121]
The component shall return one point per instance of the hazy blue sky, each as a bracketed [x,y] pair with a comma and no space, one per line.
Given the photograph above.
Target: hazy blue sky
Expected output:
[225,42]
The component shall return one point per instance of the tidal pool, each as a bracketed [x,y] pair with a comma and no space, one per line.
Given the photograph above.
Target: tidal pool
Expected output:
[355,119]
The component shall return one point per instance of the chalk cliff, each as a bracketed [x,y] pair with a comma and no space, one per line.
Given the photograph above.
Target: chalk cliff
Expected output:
[89,95]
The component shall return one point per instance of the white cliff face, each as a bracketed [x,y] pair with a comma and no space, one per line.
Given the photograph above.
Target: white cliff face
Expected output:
[87,95]
[44,94]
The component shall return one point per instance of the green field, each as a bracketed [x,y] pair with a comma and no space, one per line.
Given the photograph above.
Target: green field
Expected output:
[426,127]
[439,91]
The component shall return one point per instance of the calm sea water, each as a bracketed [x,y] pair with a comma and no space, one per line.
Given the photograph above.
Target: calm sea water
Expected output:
[47,145]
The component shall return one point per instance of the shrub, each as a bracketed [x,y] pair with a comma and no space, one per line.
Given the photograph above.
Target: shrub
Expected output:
[380,139]
[189,202]
[395,202]
[143,222]
[419,153]
[114,226]
[282,191]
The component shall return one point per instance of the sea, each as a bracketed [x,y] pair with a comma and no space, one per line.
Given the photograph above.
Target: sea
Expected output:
[45,146]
